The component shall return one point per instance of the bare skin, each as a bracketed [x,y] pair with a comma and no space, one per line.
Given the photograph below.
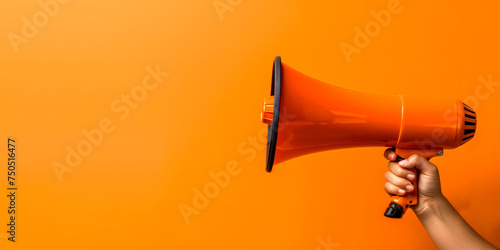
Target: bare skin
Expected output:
[445,226]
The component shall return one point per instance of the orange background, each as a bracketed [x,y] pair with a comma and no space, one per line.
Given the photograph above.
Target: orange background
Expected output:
[205,114]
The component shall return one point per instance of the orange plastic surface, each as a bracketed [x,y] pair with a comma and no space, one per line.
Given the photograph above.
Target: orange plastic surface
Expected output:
[317,116]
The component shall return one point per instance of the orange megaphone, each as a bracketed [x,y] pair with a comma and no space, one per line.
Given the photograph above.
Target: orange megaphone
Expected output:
[305,116]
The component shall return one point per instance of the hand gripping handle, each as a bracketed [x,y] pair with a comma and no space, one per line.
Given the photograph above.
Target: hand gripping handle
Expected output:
[399,204]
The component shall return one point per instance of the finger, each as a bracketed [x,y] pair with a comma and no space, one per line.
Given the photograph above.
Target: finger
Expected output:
[401,172]
[419,162]
[391,189]
[390,155]
[399,182]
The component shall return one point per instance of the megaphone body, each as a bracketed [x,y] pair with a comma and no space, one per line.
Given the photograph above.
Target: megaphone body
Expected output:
[306,116]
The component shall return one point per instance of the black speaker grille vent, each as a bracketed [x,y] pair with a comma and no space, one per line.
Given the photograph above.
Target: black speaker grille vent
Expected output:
[470,124]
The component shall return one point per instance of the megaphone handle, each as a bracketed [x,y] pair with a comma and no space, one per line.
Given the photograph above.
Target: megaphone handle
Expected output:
[399,204]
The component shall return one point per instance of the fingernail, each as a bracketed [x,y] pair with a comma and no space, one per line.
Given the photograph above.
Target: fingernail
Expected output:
[410,177]
[401,191]
[391,155]
[409,188]
[403,162]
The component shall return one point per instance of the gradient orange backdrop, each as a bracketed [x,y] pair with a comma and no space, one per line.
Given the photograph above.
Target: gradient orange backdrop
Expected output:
[205,115]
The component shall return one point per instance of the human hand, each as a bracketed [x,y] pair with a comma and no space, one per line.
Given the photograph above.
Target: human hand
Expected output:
[399,179]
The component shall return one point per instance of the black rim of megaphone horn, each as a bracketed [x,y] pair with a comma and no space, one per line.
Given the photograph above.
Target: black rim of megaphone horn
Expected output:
[272,130]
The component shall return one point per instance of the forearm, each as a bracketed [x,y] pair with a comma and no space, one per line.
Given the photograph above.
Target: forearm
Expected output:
[447,229]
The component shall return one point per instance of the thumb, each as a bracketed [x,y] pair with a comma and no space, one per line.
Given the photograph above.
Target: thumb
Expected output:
[420,163]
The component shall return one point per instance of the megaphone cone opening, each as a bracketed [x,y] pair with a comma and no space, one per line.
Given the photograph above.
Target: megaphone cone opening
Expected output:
[272,129]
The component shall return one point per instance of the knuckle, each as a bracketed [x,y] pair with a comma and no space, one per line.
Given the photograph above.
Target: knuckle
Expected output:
[389,188]
[402,183]
[392,165]
[386,187]
[414,158]
[418,159]
[387,175]
[436,170]
[400,172]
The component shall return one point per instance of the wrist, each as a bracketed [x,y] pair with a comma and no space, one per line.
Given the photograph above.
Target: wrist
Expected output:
[430,207]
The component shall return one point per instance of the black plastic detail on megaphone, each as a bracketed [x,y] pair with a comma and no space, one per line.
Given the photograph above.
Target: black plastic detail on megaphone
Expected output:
[272,130]
[394,211]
